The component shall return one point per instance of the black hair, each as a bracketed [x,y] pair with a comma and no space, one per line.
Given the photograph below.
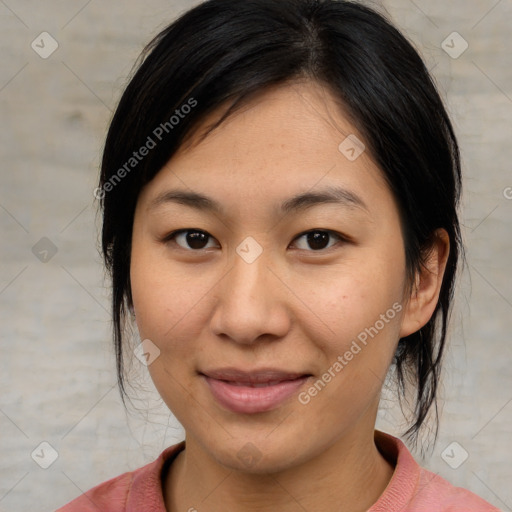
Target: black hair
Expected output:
[224,51]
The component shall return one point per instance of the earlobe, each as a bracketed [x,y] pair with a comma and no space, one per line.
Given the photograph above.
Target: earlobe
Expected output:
[424,293]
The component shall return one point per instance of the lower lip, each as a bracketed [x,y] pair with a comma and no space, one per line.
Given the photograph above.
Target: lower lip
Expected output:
[248,400]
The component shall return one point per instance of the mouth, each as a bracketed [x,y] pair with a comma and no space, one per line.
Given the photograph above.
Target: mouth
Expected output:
[250,392]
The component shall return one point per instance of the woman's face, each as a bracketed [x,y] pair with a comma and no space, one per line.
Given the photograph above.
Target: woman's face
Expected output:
[271,338]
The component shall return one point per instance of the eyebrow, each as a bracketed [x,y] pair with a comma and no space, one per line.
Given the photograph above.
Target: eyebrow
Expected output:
[299,202]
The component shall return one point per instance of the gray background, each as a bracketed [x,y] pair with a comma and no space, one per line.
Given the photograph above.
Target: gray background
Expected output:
[57,368]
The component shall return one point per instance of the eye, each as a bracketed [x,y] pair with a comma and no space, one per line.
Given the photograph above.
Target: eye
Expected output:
[190,239]
[318,239]
[197,240]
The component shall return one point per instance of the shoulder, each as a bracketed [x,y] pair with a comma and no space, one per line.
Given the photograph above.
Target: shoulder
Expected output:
[436,493]
[126,491]
[415,489]
[112,494]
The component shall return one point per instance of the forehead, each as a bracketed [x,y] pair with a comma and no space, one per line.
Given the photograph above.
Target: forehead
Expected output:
[285,140]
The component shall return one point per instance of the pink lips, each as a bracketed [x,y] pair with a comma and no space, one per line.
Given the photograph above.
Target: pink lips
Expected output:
[252,392]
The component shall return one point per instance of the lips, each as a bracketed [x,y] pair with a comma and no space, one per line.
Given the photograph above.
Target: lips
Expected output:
[249,392]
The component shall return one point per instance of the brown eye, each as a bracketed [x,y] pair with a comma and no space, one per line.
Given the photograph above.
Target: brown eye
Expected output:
[192,239]
[317,240]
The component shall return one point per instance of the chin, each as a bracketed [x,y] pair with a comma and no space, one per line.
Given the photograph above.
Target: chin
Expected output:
[258,455]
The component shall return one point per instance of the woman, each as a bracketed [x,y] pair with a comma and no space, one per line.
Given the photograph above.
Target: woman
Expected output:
[279,186]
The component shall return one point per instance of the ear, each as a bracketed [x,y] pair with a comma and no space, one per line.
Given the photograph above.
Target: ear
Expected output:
[425,290]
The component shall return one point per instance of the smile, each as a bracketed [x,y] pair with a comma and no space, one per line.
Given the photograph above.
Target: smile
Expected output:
[252,392]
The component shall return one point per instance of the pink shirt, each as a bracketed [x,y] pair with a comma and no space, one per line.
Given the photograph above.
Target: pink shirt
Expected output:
[411,489]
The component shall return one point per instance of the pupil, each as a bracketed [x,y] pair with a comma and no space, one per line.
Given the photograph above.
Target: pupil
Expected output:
[318,239]
[197,240]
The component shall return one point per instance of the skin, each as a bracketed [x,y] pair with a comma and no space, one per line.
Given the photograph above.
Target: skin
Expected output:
[296,307]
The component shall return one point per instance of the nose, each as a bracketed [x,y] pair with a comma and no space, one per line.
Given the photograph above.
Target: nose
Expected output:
[251,303]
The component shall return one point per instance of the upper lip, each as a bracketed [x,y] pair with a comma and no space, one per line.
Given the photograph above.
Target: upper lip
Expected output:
[254,376]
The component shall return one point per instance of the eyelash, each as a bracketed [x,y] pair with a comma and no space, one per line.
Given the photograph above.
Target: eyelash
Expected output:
[171,238]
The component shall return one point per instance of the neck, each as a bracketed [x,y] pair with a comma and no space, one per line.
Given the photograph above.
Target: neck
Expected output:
[349,475]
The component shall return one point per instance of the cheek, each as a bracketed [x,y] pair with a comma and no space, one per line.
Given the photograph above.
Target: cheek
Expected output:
[169,312]
[361,309]
[348,301]
[167,308]
[167,302]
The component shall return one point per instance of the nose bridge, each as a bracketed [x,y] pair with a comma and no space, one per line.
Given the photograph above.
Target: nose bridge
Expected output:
[247,305]
[248,274]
